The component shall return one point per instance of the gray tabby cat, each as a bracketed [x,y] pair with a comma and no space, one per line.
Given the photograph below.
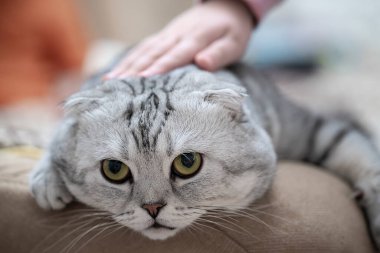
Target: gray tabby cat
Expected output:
[158,152]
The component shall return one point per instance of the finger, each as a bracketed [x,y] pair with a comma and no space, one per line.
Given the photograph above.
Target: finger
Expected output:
[149,57]
[132,56]
[178,56]
[219,54]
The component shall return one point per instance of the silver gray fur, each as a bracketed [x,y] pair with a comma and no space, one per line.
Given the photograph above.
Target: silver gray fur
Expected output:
[235,118]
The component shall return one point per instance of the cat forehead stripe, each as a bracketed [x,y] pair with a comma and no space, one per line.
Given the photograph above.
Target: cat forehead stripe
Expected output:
[153,111]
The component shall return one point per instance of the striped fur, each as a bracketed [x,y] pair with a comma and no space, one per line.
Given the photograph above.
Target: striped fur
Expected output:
[235,118]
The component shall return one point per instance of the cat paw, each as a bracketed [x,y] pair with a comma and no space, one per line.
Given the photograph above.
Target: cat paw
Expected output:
[371,203]
[373,214]
[48,188]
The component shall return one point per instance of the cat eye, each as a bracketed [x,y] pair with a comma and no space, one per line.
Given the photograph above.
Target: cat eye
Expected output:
[187,165]
[115,171]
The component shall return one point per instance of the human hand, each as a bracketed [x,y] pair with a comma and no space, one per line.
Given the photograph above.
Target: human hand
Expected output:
[212,34]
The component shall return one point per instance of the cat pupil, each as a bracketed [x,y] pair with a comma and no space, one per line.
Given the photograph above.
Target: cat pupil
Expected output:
[187,159]
[114,166]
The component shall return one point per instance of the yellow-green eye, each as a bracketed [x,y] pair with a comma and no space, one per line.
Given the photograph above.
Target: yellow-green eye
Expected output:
[187,165]
[115,171]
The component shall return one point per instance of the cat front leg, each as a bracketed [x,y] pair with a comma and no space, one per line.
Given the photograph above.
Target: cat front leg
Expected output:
[369,198]
[355,158]
[45,180]
[47,187]
[347,150]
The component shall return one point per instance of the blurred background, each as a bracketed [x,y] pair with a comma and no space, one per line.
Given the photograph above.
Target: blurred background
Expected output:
[324,54]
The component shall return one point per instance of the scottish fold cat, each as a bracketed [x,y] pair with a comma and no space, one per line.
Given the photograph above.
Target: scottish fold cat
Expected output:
[159,152]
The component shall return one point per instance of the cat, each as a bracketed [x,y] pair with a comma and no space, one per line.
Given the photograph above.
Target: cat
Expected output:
[159,152]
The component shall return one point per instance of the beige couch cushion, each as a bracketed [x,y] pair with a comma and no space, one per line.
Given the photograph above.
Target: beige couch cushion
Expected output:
[307,210]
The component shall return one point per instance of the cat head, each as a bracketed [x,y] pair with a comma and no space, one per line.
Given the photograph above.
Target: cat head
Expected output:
[159,152]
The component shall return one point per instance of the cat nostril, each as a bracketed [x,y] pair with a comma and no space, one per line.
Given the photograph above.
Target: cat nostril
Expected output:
[153,209]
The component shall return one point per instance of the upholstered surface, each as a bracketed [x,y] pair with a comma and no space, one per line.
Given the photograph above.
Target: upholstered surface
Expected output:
[307,210]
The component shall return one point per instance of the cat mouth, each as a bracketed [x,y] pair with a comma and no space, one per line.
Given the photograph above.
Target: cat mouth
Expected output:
[157,225]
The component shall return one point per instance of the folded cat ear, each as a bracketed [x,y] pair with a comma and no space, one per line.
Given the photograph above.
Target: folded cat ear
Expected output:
[230,99]
[82,101]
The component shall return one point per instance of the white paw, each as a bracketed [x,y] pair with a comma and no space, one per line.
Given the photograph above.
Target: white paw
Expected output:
[48,188]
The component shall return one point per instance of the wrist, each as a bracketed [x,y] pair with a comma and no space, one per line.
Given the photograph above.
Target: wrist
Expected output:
[237,5]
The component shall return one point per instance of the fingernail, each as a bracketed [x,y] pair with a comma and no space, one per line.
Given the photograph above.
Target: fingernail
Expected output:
[144,74]
[110,75]
[148,72]
[123,76]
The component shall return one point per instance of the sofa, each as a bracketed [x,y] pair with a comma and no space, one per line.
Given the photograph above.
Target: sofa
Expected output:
[306,210]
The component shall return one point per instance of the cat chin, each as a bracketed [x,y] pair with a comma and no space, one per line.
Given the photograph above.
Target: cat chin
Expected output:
[159,233]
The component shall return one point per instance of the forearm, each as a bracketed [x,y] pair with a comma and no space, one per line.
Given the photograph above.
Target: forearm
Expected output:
[213,35]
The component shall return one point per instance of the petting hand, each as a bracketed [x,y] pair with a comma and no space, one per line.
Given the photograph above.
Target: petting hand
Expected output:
[212,34]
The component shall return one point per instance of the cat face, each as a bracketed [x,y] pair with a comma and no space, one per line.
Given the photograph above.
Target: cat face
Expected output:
[158,153]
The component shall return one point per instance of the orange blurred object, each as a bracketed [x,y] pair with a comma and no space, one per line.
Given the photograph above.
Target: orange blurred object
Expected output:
[39,40]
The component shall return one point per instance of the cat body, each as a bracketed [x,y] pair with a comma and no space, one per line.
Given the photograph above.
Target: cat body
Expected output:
[232,125]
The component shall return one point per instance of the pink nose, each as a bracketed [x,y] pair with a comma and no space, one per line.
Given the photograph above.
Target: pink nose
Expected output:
[153,209]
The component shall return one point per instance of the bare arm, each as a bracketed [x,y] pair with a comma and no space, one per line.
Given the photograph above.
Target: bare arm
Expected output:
[212,34]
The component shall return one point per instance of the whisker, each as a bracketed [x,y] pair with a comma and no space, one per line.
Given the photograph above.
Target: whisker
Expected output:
[191,230]
[274,216]
[226,214]
[226,207]
[81,224]
[257,219]
[72,244]
[206,226]
[250,209]
[51,219]
[217,215]
[118,227]
[96,235]
[237,226]
[226,227]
